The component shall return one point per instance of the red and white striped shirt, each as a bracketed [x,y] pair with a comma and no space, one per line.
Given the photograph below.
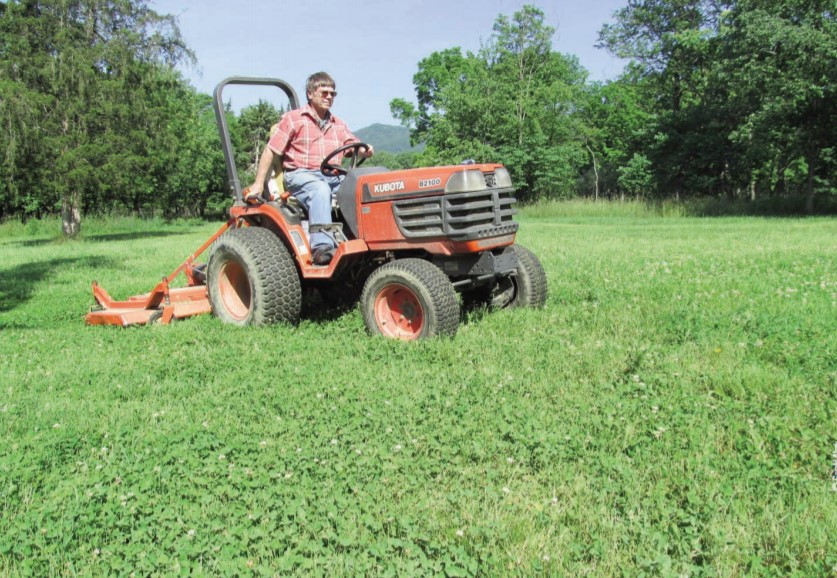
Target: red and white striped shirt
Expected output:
[303,144]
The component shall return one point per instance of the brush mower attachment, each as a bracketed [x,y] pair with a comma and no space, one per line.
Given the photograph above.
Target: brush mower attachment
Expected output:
[163,303]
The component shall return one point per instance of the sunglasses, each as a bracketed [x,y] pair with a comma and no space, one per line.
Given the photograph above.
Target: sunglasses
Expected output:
[324,92]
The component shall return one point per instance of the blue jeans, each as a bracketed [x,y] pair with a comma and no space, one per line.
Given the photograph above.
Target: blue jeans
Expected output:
[314,190]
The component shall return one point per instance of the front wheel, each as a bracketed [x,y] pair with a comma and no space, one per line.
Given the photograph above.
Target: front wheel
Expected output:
[409,299]
[530,287]
[526,288]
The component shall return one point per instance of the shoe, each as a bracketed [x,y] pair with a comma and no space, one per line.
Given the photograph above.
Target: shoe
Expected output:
[322,255]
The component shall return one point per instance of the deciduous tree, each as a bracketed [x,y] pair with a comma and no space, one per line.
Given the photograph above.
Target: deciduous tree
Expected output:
[80,71]
[515,101]
[780,64]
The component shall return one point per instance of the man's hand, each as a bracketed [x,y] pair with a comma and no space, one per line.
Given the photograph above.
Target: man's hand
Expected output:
[364,153]
[253,193]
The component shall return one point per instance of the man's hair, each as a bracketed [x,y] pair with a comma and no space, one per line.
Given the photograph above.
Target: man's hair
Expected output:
[317,80]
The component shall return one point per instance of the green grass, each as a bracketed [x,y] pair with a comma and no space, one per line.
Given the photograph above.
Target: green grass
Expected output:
[672,411]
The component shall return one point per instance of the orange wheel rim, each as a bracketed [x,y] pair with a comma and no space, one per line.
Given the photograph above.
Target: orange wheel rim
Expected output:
[399,313]
[235,290]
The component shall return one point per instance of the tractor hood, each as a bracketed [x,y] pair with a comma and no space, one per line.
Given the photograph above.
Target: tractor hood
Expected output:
[434,181]
[459,203]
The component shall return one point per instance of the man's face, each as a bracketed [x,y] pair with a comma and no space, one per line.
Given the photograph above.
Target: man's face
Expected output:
[322,98]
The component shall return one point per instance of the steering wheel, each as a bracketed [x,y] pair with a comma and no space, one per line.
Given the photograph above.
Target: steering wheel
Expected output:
[332,170]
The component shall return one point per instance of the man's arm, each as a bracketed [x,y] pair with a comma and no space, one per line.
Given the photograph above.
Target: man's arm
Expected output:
[265,164]
[270,158]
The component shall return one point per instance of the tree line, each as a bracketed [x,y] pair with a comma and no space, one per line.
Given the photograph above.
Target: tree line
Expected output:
[731,98]
[721,98]
[95,117]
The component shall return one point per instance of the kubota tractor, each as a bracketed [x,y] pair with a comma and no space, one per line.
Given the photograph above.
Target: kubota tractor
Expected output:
[409,240]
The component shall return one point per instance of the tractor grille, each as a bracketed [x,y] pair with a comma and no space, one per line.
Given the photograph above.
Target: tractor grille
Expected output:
[461,216]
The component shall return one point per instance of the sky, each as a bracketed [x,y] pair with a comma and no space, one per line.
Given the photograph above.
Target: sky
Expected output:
[370,47]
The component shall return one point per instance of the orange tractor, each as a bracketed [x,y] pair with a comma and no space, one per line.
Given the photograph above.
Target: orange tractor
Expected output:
[409,241]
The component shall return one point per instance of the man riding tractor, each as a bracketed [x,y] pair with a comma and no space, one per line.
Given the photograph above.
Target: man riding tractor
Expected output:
[405,243]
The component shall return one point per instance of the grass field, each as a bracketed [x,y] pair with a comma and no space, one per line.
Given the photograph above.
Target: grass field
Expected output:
[671,412]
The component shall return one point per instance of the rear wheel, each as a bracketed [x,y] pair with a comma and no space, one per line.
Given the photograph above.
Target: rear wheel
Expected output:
[252,280]
[409,299]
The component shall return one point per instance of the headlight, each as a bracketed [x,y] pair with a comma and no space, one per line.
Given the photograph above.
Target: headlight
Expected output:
[502,178]
[465,181]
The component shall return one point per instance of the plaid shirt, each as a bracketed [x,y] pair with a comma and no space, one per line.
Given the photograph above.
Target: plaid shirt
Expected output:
[303,144]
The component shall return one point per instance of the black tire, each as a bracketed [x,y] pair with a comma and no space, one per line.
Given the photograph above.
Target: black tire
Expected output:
[252,280]
[409,299]
[530,287]
[527,288]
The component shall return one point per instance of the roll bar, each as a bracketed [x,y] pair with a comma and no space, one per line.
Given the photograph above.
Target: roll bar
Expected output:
[224,129]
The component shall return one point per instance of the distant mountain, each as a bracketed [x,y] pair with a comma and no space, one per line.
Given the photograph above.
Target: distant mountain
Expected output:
[388,138]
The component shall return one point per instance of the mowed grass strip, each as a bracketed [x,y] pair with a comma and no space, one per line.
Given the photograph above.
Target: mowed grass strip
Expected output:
[671,411]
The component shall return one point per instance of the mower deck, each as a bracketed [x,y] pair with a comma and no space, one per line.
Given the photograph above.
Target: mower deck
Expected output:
[162,304]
